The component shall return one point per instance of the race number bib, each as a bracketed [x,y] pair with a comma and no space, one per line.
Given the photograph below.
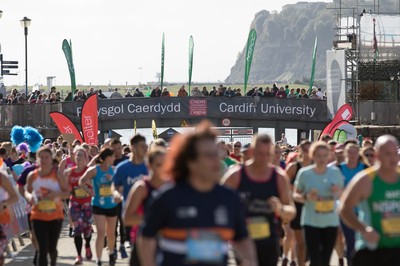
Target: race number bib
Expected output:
[205,247]
[258,228]
[80,193]
[324,206]
[105,190]
[47,206]
[391,226]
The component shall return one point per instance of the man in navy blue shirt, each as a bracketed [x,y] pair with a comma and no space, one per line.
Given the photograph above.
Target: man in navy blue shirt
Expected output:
[119,157]
[129,171]
[193,219]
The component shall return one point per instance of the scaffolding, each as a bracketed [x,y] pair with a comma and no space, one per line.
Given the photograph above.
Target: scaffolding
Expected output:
[354,36]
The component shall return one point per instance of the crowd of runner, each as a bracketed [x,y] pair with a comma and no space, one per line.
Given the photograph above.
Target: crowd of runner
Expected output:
[197,201]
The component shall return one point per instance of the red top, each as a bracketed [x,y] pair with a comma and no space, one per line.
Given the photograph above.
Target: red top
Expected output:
[78,194]
[236,157]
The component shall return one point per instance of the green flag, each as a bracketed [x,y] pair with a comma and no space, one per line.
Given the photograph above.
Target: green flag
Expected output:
[191,48]
[314,60]
[162,61]
[251,43]
[67,48]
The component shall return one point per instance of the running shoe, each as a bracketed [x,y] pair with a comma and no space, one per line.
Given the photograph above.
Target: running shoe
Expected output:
[112,260]
[98,263]
[285,262]
[122,250]
[293,263]
[89,254]
[115,254]
[78,261]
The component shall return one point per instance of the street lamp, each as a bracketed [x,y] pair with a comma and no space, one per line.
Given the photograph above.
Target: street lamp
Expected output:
[25,23]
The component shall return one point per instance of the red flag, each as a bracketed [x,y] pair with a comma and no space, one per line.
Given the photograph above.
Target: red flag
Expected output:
[65,125]
[90,120]
[344,114]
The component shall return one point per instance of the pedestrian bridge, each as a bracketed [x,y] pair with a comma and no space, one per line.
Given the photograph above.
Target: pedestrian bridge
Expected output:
[302,114]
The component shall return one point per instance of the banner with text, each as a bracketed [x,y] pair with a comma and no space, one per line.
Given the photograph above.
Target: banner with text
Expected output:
[89,120]
[207,107]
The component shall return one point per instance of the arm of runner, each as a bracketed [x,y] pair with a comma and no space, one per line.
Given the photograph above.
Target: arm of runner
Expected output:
[118,180]
[246,251]
[67,173]
[29,188]
[147,250]
[135,199]
[291,171]
[287,209]
[93,162]
[358,190]
[12,194]
[232,178]
[62,165]
[87,176]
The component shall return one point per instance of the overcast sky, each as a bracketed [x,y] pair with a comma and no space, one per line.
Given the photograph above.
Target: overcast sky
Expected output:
[112,40]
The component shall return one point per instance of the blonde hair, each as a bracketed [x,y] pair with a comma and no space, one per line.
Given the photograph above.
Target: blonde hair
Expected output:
[319,145]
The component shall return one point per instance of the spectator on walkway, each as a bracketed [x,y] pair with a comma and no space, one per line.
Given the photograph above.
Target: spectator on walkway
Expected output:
[205,91]
[314,96]
[116,94]
[156,92]
[258,92]
[196,92]
[79,96]
[238,92]
[320,94]
[274,89]
[182,92]
[229,92]
[281,93]
[251,91]
[297,92]
[287,90]
[268,93]
[213,92]
[91,92]
[101,95]
[138,93]
[165,92]
[291,94]
[128,94]
[303,94]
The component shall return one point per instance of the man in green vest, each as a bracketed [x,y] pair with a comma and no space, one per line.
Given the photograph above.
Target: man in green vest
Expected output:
[376,193]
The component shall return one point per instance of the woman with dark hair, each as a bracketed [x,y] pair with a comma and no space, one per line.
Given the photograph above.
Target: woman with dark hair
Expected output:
[139,195]
[104,201]
[194,210]
[46,187]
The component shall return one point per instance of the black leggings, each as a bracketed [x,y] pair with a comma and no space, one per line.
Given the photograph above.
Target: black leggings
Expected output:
[47,234]
[122,233]
[320,243]
[267,253]
[134,261]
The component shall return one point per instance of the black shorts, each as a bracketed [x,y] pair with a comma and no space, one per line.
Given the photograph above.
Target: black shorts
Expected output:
[295,223]
[107,212]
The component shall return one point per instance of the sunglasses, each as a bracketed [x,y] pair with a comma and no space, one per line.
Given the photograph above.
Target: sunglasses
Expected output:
[237,146]
[368,155]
